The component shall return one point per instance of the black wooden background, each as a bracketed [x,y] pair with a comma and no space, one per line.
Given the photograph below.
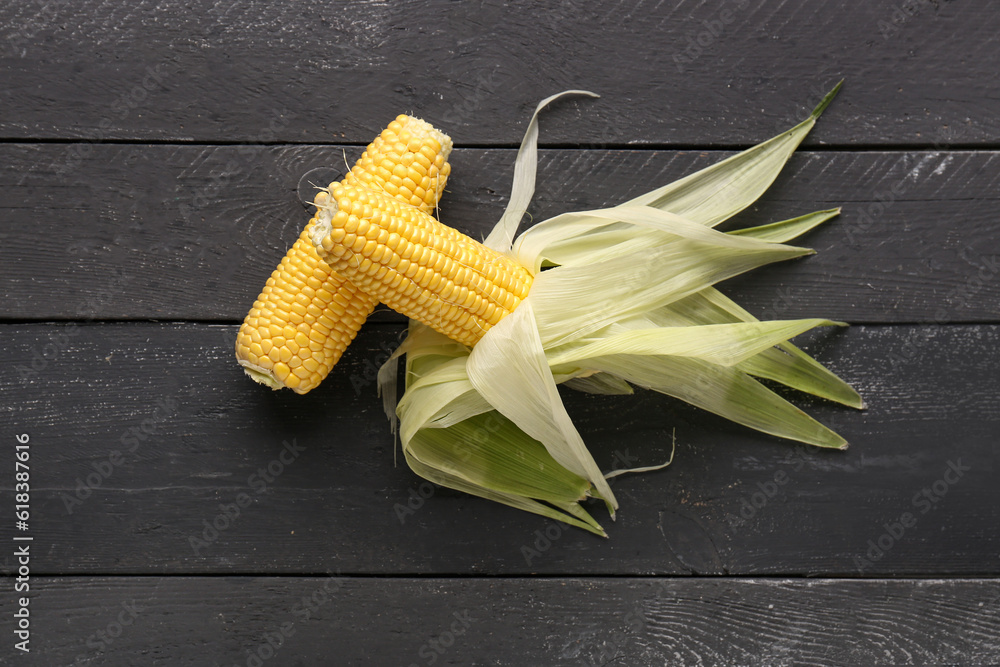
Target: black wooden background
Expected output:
[150,165]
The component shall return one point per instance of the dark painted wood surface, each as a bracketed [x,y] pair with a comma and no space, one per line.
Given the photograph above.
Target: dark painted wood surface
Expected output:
[151,161]
[580,622]
[690,73]
[734,502]
[128,233]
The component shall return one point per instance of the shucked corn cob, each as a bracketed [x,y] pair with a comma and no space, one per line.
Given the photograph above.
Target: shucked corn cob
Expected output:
[416,265]
[307,314]
[408,161]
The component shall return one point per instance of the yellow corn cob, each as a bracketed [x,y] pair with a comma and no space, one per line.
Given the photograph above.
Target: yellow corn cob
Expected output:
[302,322]
[416,265]
[408,161]
[307,314]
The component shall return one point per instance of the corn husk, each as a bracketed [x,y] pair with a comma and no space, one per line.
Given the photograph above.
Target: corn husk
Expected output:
[622,297]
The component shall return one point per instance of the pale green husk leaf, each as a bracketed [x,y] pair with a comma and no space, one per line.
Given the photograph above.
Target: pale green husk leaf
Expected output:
[525,169]
[510,371]
[622,296]
[718,192]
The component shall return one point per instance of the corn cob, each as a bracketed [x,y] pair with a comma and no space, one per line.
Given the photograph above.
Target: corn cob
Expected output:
[416,265]
[307,314]
[408,161]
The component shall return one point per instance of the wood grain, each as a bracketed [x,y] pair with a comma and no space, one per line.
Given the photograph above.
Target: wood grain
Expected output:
[146,435]
[683,74]
[621,621]
[191,233]
[152,157]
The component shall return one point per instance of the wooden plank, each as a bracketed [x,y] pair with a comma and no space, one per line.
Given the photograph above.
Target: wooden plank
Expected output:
[181,232]
[305,621]
[145,436]
[674,74]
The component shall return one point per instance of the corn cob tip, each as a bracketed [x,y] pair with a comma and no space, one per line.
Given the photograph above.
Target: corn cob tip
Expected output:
[260,375]
[324,223]
[408,162]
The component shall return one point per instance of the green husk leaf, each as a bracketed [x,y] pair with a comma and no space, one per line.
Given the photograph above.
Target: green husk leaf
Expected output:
[599,383]
[724,391]
[508,367]
[491,451]
[722,344]
[421,342]
[718,192]
[573,301]
[787,364]
[794,368]
[584,238]
[786,230]
[628,299]
[571,513]
[525,169]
